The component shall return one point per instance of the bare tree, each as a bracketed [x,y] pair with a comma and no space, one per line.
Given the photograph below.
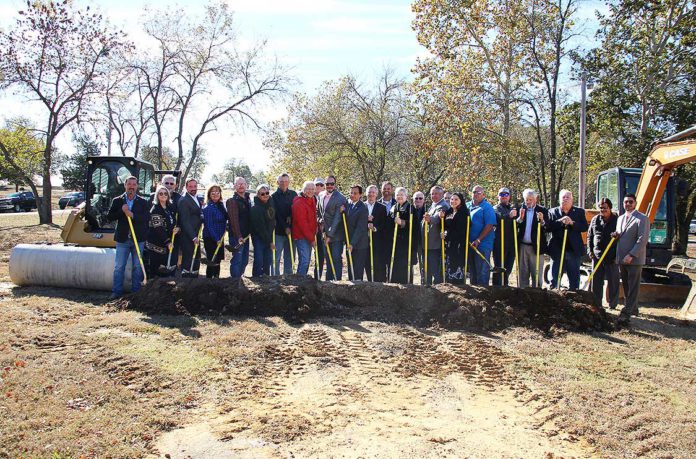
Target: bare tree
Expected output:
[56,54]
[549,25]
[201,79]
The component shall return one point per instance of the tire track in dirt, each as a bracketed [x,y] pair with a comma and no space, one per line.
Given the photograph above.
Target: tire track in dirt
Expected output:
[317,386]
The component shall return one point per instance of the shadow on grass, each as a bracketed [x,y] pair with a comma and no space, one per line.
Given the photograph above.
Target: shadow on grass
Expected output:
[652,326]
[95,297]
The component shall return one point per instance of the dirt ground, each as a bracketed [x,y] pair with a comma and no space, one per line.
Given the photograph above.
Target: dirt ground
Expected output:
[79,377]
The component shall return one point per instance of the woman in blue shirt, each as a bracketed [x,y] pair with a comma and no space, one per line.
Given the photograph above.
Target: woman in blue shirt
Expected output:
[215,223]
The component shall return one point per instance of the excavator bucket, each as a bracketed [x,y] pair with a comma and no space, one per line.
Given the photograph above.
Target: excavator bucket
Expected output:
[686,266]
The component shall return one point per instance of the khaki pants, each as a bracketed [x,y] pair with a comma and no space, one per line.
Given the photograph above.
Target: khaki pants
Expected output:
[527,266]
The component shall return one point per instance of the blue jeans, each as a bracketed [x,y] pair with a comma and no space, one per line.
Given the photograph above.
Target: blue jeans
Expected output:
[240,259]
[304,254]
[123,251]
[571,267]
[336,248]
[263,258]
[283,247]
[479,270]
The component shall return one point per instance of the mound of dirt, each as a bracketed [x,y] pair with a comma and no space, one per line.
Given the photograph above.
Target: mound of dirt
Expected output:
[300,298]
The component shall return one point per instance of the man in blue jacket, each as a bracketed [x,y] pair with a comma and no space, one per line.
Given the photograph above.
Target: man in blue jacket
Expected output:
[127,205]
[481,236]
[569,219]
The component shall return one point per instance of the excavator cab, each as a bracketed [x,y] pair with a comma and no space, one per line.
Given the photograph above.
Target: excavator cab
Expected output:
[616,183]
[106,176]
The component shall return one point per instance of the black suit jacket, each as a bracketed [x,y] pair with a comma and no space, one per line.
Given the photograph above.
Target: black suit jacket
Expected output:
[383,225]
[141,218]
[190,217]
[522,226]
[574,242]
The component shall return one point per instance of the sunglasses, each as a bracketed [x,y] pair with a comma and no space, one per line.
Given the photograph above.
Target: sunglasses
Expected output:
[319,184]
[603,208]
[169,183]
[162,194]
[503,194]
[330,183]
[419,199]
[263,194]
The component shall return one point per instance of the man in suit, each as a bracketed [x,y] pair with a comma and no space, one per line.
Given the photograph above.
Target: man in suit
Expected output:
[330,202]
[190,221]
[319,186]
[532,218]
[381,228]
[633,233]
[356,220]
[570,219]
[128,205]
[387,200]
[434,249]
[418,213]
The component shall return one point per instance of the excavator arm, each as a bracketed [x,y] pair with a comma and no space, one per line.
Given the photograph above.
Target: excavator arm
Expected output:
[659,166]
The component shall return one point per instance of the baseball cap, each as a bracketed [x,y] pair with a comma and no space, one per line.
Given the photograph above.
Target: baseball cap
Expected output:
[504,190]
[319,180]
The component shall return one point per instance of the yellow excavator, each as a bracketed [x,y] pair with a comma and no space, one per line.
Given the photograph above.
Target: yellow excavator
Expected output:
[86,257]
[651,184]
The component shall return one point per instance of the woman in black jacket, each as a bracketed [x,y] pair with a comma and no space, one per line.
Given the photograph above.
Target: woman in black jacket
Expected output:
[263,222]
[400,214]
[456,220]
[161,227]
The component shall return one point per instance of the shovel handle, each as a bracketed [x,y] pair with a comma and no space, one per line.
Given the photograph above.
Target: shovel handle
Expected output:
[137,248]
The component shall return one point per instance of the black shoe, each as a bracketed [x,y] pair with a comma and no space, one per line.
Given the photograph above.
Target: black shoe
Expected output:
[114,297]
[623,322]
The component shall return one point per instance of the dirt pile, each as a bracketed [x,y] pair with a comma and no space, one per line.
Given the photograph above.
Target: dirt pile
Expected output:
[300,298]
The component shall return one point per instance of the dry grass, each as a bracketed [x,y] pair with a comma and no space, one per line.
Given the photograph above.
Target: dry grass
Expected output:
[629,394]
[78,378]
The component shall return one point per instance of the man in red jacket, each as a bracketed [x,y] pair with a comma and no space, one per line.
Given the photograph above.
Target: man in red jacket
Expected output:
[304,226]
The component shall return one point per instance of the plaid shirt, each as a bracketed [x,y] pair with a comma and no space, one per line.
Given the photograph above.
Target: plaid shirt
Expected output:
[215,221]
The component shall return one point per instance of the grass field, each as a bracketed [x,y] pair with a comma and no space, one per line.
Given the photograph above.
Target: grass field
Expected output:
[79,378]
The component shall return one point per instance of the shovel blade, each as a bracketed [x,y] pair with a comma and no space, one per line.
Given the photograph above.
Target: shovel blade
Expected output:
[165,270]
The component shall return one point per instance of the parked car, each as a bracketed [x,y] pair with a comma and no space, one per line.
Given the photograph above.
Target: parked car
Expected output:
[17,202]
[73,199]
[692,227]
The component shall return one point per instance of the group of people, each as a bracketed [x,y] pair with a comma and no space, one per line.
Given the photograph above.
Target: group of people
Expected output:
[384,237]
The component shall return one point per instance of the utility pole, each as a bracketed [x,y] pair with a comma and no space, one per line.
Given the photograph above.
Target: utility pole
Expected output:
[583,128]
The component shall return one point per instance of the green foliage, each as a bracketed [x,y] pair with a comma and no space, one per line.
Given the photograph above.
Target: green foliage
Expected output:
[74,171]
[24,151]
[232,169]
[362,134]
[56,53]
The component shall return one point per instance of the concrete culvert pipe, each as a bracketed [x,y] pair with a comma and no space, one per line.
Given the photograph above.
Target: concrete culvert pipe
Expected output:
[61,265]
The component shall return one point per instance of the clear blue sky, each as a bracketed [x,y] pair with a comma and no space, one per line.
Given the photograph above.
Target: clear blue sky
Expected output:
[320,39]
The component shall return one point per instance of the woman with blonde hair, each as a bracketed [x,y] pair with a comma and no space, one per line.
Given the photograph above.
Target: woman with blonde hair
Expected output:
[215,223]
[159,235]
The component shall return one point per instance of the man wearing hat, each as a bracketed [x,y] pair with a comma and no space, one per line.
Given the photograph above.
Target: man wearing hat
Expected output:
[504,245]
[319,186]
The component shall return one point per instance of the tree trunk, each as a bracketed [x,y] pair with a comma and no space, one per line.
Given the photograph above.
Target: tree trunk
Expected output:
[44,202]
